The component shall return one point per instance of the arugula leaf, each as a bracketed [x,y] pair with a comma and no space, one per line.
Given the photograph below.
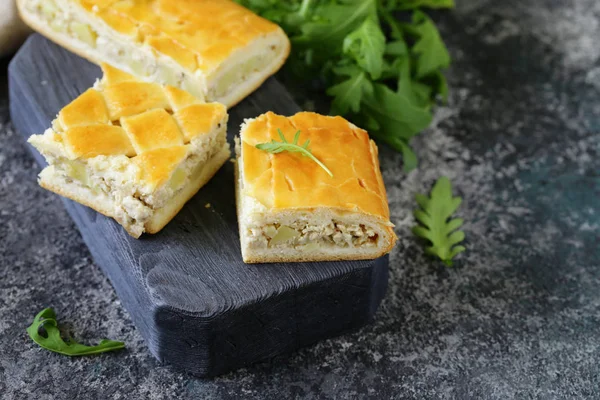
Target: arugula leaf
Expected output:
[275,147]
[440,85]
[46,320]
[366,45]
[349,93]
[436,222]
[412,4]
[408,157]
[405,83]
[431,50]
[395,113]
[396,48]
[398,121]
[332,23]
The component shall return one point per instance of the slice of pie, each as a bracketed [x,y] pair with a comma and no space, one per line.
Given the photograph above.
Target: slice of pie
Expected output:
[215,49]
[132,150]
[289,206]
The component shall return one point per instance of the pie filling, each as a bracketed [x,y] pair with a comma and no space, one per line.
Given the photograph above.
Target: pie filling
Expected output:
[302,235]
[140,60]
[117,183]
[242,72]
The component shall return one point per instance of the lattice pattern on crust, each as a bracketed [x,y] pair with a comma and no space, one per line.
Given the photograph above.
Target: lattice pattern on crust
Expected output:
[122,116]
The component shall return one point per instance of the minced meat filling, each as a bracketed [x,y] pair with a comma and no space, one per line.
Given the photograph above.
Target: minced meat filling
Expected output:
[299,234]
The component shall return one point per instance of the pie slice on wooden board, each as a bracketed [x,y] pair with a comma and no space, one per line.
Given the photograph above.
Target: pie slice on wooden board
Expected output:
[291,209]
[132,150]
[215,49]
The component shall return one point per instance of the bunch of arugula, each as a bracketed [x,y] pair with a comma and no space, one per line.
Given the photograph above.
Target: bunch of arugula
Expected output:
[383,74]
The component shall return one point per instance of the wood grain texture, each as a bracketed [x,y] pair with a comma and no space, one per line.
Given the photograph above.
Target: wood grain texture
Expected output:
[196,303]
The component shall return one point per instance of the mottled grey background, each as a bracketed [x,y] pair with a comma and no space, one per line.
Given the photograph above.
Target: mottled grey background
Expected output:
[519,316]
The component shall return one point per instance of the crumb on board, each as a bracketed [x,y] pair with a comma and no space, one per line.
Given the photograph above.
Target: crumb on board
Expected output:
[232,160]
[207,205]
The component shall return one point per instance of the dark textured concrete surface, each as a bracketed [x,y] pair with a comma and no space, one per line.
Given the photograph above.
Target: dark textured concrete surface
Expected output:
[519,316]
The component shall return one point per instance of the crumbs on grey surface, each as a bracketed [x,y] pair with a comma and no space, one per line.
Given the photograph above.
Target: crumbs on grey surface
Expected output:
[519,315]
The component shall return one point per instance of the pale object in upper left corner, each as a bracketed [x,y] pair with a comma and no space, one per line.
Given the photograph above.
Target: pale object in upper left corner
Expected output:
[13,31]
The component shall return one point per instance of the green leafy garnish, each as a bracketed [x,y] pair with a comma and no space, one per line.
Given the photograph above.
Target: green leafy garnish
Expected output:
[275,147]
[432,53]
[349,93]
[366,46]
[437,224]
[44,331]
[381,61]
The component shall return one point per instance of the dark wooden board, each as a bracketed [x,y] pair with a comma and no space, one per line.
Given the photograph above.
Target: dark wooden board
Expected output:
[196,303]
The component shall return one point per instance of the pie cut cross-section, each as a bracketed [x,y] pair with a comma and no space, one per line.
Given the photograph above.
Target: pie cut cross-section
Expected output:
[291,209]
[132,150]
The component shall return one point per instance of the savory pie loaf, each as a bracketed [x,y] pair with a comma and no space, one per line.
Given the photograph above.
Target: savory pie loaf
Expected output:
[291,209]
[132,150]
[215,49]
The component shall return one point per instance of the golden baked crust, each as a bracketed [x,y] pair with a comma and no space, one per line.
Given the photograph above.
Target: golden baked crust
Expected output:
[87,141]
[198,34]
[168,212]
[288,180]
[139,123]
[140,140]
[191,44]
[87,109]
